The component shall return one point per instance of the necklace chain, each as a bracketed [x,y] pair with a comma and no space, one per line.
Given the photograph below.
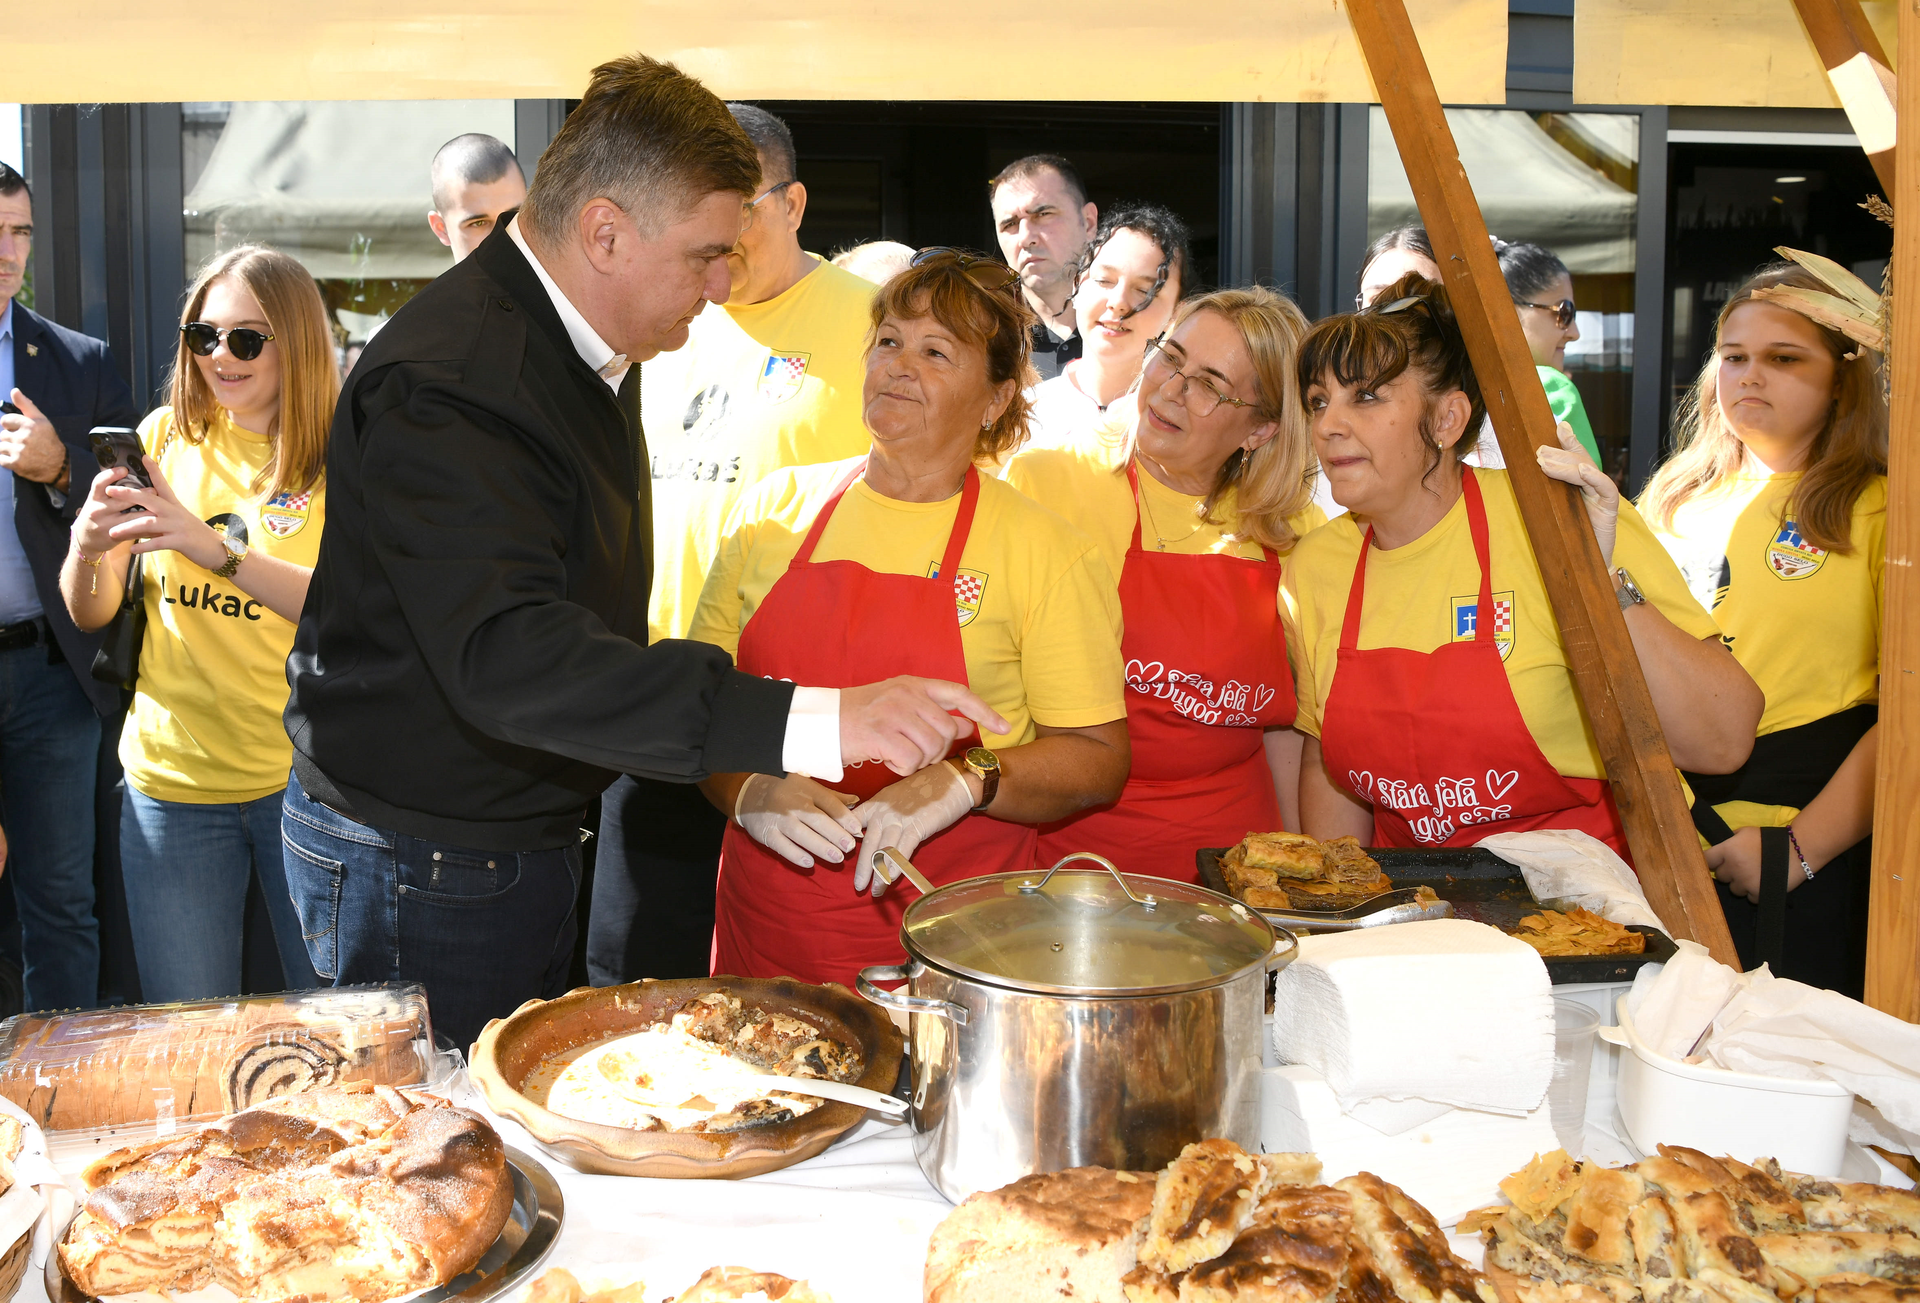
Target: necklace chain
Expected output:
[1162,539]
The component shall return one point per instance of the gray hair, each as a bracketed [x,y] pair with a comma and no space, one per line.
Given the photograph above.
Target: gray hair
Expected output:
[771,138]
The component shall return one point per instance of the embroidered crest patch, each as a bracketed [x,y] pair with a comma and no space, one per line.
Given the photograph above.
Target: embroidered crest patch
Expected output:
[1466,621]
[286,514]
[969,586]
[1790,556]
[781,376]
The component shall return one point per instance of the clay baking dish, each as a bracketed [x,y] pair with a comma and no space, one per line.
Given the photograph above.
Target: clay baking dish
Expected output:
[510,1048]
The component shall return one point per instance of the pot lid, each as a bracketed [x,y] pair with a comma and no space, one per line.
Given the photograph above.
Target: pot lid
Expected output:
[1086,931]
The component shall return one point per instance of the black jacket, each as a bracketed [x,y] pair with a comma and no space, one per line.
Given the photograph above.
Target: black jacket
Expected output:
[471,666]
[71,378]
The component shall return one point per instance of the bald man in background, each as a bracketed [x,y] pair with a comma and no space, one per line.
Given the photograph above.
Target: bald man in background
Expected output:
[475,179]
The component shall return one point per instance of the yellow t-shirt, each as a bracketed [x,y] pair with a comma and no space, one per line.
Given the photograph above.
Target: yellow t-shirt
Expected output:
[1083,486]
[1804,622]
[205,725]
[1042,638]
[1427,593]
[756,388]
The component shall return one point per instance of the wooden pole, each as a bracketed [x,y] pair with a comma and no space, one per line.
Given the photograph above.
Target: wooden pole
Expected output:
[1893,927]
[1857,67]
[1600,652]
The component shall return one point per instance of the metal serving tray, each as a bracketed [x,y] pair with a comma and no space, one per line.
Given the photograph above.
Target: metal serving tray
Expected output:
[1486,889]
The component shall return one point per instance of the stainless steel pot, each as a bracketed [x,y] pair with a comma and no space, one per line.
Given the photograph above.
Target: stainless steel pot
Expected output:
[1078,1018]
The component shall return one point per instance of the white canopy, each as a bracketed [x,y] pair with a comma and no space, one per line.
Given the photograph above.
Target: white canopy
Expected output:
[340,185]
[1529,188]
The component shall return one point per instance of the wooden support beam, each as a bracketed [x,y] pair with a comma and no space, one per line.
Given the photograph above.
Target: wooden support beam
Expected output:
[1893,926]
[1600,652]
[1857,67]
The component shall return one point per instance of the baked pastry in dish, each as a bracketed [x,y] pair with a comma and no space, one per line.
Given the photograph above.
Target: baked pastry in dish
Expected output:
[362,1192]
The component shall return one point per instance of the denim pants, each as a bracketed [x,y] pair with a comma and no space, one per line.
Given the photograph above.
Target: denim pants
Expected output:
[49,750]
[186,868]
[654,875]
[485,931]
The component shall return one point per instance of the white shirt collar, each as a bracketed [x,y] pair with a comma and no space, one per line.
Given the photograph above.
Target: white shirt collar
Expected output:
[594,351]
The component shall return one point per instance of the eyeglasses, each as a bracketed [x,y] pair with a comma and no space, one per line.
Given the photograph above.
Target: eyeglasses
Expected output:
[987,273]
[202,337]
[753,206]
[1161,354]
[1562,311]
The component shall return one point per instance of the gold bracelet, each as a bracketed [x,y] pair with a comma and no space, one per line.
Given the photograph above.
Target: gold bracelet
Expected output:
[93,587]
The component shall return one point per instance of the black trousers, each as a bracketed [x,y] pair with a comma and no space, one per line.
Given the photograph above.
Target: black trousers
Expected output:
[655,871]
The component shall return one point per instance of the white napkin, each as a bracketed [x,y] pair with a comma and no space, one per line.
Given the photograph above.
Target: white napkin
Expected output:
[1783,1028]
[1451,1164]
[1674,1003]
[1445,1010]
[1561,864]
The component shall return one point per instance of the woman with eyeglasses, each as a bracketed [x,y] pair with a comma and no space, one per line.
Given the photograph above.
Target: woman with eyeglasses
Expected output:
[909,561]
[1542,291]
[1131,277]
[1433,683]
[1197,511]
[225,539]
[1774,503]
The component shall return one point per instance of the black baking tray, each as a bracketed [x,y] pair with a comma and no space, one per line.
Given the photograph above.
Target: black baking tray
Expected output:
[1486,889]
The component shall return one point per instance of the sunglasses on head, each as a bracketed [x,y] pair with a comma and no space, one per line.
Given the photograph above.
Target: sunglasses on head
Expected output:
[987,273]
[1562,311]
[202,337]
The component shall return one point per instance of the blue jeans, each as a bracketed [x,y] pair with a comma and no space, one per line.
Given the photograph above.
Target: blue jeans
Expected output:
[485,931]
[49,749]
[186,869]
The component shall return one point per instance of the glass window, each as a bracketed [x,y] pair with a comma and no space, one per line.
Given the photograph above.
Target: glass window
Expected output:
[1568,181]
[340,185]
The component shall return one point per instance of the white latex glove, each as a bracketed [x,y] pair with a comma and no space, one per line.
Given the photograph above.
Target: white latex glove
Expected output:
[906,813]
[797,818]
[1570,464]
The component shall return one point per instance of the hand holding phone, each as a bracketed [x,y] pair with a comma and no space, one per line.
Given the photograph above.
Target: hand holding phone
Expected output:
[116,445]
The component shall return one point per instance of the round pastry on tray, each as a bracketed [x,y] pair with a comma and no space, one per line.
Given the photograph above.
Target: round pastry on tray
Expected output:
[682,1077]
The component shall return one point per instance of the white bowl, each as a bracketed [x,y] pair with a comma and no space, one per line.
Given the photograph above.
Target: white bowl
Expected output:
[1743,1115]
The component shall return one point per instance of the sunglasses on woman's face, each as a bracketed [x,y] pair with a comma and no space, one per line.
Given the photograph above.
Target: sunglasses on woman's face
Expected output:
[203,337]
[1562,311]
[987,273]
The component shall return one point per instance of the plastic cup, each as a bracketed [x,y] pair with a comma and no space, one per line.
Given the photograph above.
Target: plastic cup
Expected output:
[1574,1028]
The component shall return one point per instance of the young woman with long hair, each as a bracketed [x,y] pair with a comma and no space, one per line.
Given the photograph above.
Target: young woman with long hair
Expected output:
[1774,504]
[227,538]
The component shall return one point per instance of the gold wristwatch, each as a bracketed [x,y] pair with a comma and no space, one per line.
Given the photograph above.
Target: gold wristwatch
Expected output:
[980,761]
[236,553]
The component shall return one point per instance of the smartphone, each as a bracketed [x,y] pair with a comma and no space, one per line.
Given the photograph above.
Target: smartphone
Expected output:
[8,409]
[115,445]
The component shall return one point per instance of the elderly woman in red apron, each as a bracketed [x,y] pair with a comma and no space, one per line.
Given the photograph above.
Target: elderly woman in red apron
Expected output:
[1197,507]
[1432,679]
[909,561]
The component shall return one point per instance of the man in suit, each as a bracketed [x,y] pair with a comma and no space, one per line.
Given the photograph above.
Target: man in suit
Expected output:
[472,665]
[62,384]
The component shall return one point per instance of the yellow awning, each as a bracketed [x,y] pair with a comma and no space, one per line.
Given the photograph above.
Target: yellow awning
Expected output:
[87,51]
[1735,52]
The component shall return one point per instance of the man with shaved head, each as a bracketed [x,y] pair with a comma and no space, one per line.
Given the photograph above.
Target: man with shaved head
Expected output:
[475,179]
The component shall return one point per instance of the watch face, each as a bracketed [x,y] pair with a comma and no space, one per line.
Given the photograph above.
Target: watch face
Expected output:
[981,758]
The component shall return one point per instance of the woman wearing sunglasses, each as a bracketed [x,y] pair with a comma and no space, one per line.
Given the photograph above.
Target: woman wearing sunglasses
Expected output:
[226,540]
[910,561]
[1197,512]
[1433,681]
[1542,291]
[1131,276]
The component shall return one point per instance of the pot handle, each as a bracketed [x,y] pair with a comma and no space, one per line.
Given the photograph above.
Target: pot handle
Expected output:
[1286,948]
[1028,888]
[864,983]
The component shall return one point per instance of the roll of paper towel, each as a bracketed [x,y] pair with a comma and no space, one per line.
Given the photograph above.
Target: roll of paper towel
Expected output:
[1447,1011]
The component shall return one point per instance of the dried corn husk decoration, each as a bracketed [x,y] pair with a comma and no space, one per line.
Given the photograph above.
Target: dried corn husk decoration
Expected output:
[1854,308]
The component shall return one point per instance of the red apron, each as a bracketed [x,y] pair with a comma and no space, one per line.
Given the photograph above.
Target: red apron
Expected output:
[836,624]
[1206,676]
[1435,741]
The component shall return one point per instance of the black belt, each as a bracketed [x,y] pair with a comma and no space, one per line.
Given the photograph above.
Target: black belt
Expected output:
[27,633]
[1789,767]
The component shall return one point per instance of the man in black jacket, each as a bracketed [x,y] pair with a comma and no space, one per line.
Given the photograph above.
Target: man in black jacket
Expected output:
[471,666]
[62,384]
